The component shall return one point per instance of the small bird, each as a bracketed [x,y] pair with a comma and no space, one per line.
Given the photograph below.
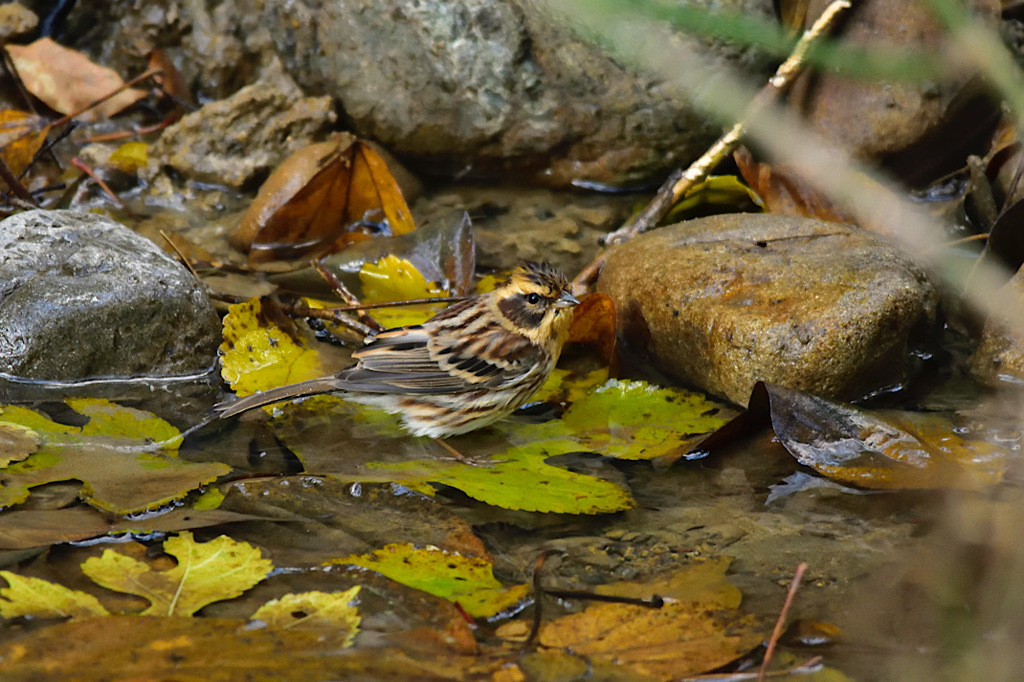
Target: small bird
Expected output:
[463,369]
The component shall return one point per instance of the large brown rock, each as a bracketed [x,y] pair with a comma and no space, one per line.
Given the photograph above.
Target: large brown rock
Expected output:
[724,301]
[1000,352]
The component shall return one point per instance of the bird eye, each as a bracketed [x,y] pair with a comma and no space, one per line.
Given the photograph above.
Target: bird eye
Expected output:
[533,299]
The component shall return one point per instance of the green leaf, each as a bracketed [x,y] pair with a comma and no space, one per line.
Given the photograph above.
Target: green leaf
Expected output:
[467,580]
[40,598]
[126,459]
[206,572]
[629,420]
[521,479]
[332,611]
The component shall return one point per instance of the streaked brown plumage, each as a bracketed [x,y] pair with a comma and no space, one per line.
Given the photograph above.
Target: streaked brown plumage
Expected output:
[463,369]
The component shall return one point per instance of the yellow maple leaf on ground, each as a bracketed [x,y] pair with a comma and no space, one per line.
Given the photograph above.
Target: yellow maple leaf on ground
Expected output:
[396,279]
[38,598]
[206,572]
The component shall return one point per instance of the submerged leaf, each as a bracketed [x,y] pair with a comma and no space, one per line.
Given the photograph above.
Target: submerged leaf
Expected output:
[519,479]
[40,598]
[696,630]
[258,354]
[877,450]
[333,611]
[467,580]
[206,572]
[125,458]
[16,442]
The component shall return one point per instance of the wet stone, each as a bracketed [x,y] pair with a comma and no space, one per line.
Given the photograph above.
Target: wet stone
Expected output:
[1000,352]
[83,296]
[722,302]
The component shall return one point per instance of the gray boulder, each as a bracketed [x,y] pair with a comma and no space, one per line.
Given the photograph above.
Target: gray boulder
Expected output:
[83,296]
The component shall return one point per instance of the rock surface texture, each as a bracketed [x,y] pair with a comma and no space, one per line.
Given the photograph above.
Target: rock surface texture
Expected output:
[722,302]
[83,296]
[1000,352]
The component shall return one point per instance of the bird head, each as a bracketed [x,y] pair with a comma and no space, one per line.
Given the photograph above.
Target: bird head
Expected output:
[536,301]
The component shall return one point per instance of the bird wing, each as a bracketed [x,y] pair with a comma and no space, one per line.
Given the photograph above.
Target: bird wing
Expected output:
[411,360]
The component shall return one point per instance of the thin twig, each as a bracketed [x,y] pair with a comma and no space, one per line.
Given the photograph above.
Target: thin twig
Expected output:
[19,189]
[700,168]
[538,594]
[80,165]
[781,621]
[343,292]
[300,308]
[186,261]
[148,73]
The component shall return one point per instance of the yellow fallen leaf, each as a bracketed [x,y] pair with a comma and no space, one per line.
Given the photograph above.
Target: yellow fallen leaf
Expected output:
[332,611]
[206,572]
[395,279]
[40,598]
[257,355]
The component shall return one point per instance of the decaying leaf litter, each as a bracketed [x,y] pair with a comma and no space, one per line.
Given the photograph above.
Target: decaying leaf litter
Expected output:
[564,470]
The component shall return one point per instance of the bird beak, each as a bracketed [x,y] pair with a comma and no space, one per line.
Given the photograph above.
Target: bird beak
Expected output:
[566,300]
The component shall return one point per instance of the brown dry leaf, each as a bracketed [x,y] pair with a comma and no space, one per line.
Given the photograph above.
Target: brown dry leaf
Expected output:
[785,192]
[697,630]
[21,135]
[171,79]
[68,82]
[314,200]
[594,322]
[678,640]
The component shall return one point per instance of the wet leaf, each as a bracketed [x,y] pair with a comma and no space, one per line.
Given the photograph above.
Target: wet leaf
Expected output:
[130,157]
[785,192]
[21,136]
[467,580]
[126,459]
[40,598]
[718,192]
[334,611]
[209,650]
[171,80]
[442,250]
[33,528]
[206,572]
[520,480]
[876,450]
[317,199]
[699,631]
[258,354]
[16,442]
[67,81]
[626,420]
[395,279]
[594,322]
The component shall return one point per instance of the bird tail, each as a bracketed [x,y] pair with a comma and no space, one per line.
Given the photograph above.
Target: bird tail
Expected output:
[275,395]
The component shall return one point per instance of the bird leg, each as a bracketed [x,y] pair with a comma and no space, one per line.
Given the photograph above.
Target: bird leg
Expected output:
[459,457]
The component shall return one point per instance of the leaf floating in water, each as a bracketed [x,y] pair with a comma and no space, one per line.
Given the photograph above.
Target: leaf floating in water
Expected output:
[319,199]
[40,598]
[126,458]
[206,572]
[467,580]
[332,611]
[877,450]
